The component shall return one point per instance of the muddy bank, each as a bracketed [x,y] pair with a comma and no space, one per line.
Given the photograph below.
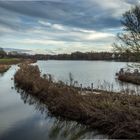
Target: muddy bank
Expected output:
[117,115]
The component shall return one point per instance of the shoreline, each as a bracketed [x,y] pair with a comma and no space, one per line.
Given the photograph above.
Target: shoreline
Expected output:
[114,114]
[6,63]
[88,60]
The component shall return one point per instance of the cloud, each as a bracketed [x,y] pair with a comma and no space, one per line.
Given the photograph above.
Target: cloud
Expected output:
[65,24]
[45,23]
[89,14]
[40,42]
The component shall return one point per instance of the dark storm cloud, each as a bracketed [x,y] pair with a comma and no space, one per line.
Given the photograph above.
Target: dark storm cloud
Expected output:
[86,14]
[132,1]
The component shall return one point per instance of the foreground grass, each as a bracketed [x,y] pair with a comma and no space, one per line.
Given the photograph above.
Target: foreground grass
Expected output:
[115,114]
[9,61]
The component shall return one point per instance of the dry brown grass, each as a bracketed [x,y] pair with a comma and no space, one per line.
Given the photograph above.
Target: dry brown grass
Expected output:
[6,62]
[11,61]
[4,68]
[130,78]
[117,115]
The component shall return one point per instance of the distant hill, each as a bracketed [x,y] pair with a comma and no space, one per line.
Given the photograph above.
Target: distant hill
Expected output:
[17,50]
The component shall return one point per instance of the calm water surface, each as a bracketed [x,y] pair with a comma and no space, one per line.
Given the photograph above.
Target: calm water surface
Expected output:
[100,73]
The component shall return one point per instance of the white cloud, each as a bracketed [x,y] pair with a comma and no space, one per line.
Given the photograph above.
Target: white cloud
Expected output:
[99,36]
[58,27]
[117,7]
[40,42]
[44,23]
[65,40]
[53,26]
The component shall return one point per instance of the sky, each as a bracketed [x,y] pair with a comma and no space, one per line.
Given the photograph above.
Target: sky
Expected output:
[61,26]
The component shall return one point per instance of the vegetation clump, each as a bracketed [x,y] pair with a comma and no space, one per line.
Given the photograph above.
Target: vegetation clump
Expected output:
[11,61]
[4,68]
[127,76]
[115,114]
[6,62]
[130,78]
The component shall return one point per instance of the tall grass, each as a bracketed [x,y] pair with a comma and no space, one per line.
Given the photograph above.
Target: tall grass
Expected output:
[58,126]
[115,114]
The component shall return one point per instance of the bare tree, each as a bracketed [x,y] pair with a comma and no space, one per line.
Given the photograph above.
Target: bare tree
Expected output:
[129,39]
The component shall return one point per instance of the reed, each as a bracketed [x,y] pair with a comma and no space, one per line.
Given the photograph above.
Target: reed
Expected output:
[115,114]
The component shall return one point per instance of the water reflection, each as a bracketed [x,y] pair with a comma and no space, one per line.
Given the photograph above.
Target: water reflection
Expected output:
[1,74]
[24,117]
[56,128]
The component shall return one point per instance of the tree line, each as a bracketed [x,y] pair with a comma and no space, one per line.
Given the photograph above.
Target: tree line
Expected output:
[109,56]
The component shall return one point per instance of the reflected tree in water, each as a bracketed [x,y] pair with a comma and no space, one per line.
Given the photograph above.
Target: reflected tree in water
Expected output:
[59,128]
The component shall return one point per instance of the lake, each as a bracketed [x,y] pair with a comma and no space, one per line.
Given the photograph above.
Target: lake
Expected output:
[100,73]
[24,117]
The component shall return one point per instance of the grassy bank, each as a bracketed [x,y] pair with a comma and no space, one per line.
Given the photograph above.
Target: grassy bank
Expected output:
[6,62]
[11,61]
[115,114]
